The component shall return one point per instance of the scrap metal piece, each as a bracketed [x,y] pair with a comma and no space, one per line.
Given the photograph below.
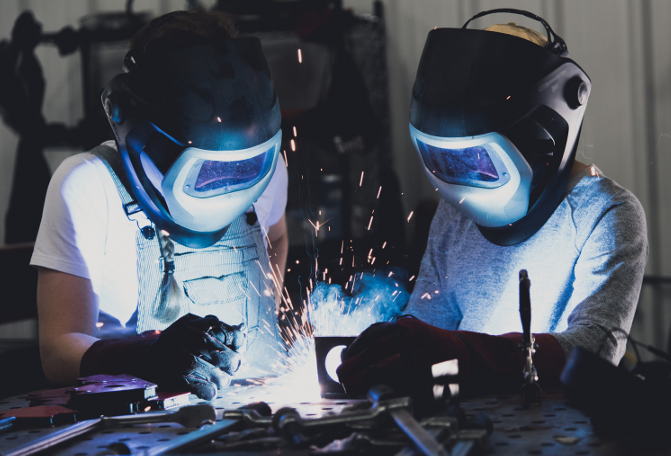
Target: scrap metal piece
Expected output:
[424,441]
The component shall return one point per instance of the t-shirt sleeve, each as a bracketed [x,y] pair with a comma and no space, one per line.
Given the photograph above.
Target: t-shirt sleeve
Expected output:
[71,237]
[425,304]
[608,277]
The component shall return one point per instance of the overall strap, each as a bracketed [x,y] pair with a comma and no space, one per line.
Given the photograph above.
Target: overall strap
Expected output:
[112,161]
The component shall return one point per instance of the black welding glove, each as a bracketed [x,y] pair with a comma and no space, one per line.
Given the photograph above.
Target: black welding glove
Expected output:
[400,352]
[193,354]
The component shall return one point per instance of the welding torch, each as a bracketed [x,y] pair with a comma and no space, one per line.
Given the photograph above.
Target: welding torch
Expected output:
[531,392]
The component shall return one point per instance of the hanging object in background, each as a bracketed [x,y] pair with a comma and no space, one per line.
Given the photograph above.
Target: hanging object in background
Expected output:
[22,87]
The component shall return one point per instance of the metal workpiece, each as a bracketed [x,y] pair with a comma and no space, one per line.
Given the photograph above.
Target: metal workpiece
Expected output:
[205,434]
[188,416]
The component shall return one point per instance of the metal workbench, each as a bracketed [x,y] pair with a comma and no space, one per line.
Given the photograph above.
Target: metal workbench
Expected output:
[553,428]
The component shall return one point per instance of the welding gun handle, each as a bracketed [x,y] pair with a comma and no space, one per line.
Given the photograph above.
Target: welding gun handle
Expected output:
[525,306]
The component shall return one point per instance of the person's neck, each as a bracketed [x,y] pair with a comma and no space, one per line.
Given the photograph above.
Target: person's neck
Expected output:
[577,167]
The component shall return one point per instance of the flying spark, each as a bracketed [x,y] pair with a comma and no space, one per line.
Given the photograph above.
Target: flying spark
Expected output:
[300,56]
[410,216]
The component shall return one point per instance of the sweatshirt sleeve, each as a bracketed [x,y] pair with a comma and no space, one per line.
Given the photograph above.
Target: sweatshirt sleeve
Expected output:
[608,279]
[425,304]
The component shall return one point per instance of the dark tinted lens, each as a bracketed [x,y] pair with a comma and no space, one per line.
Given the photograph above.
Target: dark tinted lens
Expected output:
[215,175]
[472,164]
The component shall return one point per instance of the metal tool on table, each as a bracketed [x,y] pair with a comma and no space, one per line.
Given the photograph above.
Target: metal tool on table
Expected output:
[258,413]
[531,393]
[190,416]
[290,424]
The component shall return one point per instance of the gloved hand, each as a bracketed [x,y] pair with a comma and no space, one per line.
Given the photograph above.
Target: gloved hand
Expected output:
[404,350]
[193,354]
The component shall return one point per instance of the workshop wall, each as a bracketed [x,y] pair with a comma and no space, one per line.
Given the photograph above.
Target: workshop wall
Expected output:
[623,45]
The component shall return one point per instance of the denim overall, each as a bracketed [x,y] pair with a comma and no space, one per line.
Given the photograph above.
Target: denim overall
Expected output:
[231,279]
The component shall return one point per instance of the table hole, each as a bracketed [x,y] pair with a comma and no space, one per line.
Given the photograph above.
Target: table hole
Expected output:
[183,432]
[550,415]
[126,439]
[219,408]
[235,402]
[306,403]
[164,426]
[538,422]
[341,403]
[310,414]
[514,436]
[145,432]
[163,440]
[508,415]
[219,397]
[570,429]
[501,443]
[547,444]
[327,408]
[35,431]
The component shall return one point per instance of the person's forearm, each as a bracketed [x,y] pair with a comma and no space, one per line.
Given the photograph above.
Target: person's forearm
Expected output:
[62,356]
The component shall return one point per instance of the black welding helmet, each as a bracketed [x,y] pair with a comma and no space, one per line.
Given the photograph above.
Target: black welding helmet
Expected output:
[198,130]
[495,119]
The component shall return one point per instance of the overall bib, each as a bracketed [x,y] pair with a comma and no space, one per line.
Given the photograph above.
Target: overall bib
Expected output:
[231,279]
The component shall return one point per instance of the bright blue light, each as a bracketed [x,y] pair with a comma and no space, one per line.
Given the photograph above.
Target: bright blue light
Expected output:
[333,360]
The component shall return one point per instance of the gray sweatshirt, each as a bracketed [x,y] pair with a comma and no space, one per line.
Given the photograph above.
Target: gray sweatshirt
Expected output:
[585,264]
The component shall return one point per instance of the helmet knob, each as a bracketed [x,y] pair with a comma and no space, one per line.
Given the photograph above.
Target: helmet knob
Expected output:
[576,92]
[112,109]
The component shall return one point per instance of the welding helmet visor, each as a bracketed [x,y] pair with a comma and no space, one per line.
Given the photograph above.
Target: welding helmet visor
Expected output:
[199,133]
[495,120]
[485,176]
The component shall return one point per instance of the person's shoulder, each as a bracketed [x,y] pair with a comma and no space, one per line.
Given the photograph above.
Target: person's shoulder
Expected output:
[596,194]
[81,173]
[597,191]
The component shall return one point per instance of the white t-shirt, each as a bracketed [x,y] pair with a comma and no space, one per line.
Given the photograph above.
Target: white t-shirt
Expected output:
[85,231]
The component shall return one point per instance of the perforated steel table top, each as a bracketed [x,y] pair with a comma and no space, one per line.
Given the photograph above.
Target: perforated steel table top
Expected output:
[553,428]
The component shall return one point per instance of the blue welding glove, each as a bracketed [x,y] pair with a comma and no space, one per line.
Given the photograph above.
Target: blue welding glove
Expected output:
[401,353]
[194,354]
